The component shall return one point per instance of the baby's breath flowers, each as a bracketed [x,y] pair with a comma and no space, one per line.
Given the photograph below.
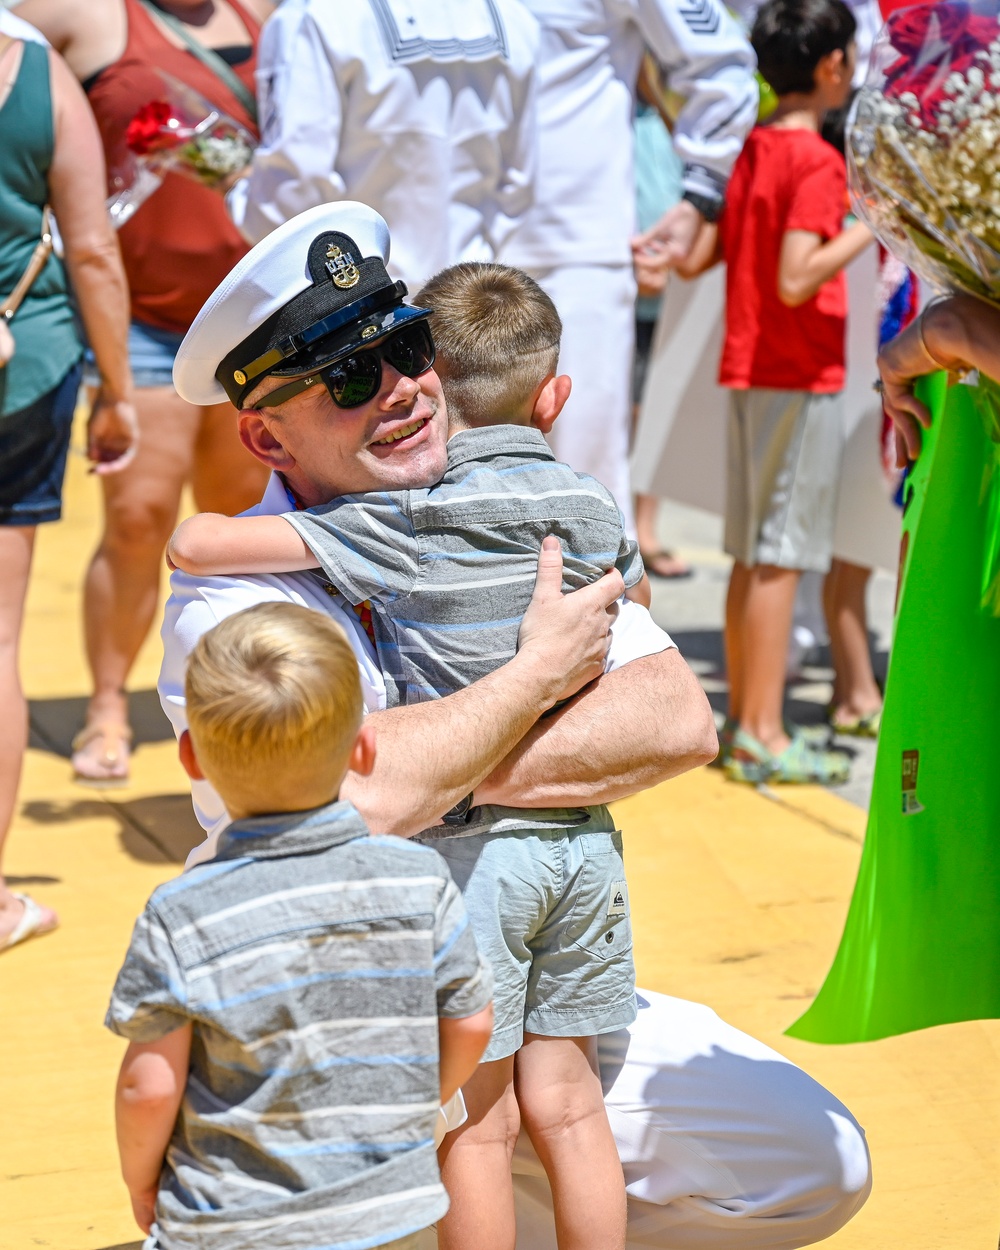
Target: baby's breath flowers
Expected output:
[924,144]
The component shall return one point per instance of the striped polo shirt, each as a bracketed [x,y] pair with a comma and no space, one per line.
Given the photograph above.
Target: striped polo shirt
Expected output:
[450,569]
[313,962]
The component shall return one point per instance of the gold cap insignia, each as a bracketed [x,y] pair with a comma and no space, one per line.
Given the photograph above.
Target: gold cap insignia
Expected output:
[368,331]
[341,267]
[239,377]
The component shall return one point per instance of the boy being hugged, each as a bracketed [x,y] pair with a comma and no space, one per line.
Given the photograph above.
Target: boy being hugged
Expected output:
[448,572]
[299,1007]
[783,240]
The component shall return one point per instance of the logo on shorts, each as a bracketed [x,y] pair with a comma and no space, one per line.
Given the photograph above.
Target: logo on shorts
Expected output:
[618,899]
[341,267]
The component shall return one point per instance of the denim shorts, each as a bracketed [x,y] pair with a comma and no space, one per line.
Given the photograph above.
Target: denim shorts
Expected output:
[549,908]
[151,353]
[34,442]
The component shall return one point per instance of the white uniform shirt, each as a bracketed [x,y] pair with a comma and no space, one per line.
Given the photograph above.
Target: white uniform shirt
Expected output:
[423,109]
[197,604]
[584,210]
[18,28]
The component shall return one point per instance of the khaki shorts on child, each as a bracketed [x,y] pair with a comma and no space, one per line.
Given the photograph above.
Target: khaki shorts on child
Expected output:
[785,450]
[549,910]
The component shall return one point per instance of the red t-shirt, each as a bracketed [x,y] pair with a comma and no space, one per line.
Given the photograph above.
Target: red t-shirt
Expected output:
[783,180]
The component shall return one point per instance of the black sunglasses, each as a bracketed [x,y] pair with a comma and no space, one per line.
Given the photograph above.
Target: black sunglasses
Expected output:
[356,379]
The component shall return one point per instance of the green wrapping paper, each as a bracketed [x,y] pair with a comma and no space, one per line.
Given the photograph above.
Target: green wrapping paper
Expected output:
[921,945]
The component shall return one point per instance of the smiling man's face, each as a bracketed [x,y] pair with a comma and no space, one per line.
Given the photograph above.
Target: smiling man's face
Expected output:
[397,441]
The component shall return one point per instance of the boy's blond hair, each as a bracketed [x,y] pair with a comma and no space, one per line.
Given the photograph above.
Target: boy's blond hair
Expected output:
[497,338]
[274,705]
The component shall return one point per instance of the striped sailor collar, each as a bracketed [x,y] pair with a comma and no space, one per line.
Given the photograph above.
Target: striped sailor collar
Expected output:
[291,833]
[497,440]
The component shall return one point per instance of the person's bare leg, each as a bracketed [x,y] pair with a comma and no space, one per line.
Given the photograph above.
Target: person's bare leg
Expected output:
[475,1164]
[123,581]
[659,562]
[855,691]
[562,1108]
[767,625]
[16,546]
[736,598]
[225,477]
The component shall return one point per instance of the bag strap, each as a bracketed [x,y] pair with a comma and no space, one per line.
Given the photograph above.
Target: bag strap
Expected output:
[210,59]
[43,249]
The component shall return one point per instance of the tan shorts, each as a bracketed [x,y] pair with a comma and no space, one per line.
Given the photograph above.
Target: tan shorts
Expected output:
[783,473]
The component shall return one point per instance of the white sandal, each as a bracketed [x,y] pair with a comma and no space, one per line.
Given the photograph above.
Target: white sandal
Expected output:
[30,925]
[110,767]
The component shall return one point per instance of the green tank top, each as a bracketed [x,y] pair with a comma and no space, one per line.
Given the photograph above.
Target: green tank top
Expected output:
[47,342]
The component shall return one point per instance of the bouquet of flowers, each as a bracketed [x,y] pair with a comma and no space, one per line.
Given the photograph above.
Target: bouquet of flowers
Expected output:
[924,144]
[184,133]
[178,132]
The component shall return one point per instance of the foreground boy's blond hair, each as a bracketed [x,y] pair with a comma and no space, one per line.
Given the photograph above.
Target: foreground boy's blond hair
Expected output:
[274,705]
[497,337]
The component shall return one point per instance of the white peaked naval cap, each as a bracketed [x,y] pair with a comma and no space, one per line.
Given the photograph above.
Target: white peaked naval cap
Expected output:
[294,303]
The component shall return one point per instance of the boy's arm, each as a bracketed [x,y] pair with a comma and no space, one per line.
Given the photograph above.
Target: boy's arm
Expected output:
[461,1043]
[705,254]
[212,544]
[148,1096]
[806,262]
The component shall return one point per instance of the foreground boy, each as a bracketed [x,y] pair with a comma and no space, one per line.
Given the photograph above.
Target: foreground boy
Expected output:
[448,571]
[299,1007]
[782,238]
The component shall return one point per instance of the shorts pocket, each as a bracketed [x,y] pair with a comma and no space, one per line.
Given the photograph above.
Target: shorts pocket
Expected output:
[600,923]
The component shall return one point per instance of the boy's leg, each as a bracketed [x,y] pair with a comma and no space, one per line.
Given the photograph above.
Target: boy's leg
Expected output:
[475,1164]
[767,626]
[856,695]
[562,1107]
[736,598]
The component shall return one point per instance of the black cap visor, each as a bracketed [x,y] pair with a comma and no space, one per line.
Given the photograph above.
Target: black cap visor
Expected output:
[304,369]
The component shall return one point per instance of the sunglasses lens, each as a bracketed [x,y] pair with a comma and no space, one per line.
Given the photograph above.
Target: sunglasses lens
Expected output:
[354,381]
[411,351]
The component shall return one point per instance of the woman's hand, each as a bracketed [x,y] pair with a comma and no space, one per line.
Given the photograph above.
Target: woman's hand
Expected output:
[112,434]
[900,363]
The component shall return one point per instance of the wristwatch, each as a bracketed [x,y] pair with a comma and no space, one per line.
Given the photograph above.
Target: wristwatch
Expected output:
[709,206]
[459,814]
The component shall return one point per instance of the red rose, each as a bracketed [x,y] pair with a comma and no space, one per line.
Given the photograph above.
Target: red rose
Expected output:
[909,29]
[148,130]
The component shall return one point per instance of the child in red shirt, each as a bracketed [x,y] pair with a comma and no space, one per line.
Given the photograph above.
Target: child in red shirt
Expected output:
[783,359]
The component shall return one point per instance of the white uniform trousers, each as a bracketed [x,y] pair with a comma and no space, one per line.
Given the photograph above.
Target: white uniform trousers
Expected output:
[597,306]
[725,1144]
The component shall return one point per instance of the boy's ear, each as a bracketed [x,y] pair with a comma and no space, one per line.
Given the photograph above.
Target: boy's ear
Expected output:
[362,757]
[550,401]
[189,761]
[258,436]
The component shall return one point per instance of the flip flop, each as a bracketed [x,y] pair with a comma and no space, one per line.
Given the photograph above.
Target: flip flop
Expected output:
[31,924]
[681,571]
[107,768]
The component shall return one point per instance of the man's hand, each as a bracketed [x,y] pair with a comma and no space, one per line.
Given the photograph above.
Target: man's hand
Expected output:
[568,636]
[112,434]
[670,240]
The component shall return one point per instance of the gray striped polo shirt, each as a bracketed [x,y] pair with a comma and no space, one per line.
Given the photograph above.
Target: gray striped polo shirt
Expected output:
[313,962]
[449,570]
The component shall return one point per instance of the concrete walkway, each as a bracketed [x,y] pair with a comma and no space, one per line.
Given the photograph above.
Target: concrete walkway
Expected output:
[738,901]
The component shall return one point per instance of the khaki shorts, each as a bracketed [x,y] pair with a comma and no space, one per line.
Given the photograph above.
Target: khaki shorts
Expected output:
[785,450]
[550,911]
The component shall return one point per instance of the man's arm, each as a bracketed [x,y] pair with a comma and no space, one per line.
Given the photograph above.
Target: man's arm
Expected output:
[644,723]
[431,755]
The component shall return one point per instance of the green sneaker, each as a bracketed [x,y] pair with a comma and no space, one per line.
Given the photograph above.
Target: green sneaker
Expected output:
[799,764]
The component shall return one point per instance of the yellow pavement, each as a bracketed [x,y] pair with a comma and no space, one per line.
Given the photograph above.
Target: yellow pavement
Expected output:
[737,900]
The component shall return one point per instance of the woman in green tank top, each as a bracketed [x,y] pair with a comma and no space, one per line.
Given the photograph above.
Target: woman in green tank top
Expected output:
[50,153]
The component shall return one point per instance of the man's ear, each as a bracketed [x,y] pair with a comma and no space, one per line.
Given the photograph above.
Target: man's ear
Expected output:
[362,757]
[550,401]
[189,761]
[258,435]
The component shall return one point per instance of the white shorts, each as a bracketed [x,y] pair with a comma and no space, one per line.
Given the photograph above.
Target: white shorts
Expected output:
[785,450]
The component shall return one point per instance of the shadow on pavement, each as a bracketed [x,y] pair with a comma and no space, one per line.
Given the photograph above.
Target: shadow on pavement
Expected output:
[155,829]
